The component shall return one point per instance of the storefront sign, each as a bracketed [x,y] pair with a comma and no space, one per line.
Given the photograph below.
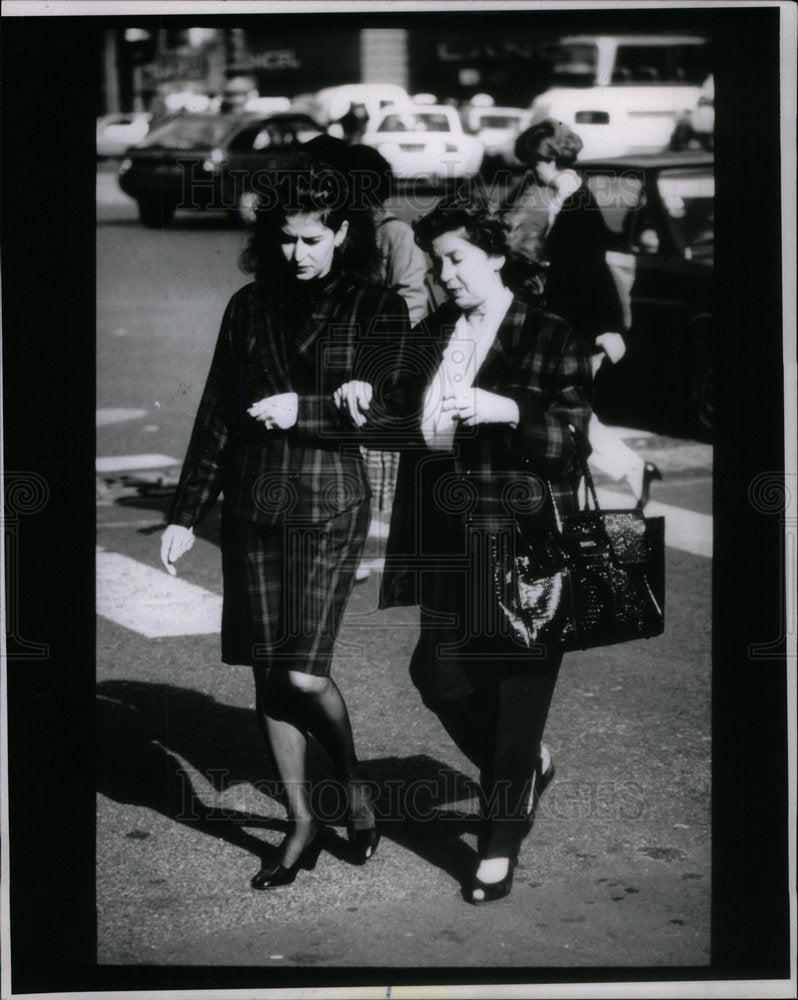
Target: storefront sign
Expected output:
[275,59]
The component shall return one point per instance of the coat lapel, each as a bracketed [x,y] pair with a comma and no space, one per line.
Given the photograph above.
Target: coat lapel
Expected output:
[498,356]
[269,337]
[321,318]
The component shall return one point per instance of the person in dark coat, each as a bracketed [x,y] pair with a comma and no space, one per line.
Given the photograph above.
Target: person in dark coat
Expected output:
[497,386]
[296,494]
[554,214]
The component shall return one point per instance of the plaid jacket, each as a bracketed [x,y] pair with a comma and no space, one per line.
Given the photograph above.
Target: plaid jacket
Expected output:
[501,473]
[314,470]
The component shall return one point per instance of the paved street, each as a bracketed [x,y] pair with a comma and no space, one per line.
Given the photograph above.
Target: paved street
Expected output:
[617,870]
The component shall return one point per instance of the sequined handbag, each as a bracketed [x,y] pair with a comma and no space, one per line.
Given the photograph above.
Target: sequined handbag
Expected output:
[593,578]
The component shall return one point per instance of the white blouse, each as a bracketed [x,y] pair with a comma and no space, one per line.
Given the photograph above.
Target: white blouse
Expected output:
[468,347]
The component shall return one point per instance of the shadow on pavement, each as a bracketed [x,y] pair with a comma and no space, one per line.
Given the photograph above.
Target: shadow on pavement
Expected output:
[153,737]
[208,529]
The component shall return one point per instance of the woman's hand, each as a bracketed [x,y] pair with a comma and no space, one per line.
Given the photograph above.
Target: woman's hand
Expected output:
[545,170]
[478,406]
[175,542]
[276,411]
[354,398]
[613,346]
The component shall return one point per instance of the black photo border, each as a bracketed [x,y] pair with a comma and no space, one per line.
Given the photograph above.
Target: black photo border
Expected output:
[50,76]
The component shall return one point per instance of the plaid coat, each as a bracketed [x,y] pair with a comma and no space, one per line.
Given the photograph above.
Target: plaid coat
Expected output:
[501,473]
[314,470]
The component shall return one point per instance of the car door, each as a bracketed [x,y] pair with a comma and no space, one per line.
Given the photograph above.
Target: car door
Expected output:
[654,386]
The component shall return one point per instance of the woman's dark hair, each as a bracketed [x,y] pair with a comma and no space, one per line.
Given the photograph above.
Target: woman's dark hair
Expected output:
[367,171]
[548,140]
[305,190]
[486,227]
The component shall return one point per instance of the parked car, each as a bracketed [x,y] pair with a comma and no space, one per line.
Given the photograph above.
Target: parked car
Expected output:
[425,143]
[660,212]
[117,131]
[205,162]
[497,129]
[624,93]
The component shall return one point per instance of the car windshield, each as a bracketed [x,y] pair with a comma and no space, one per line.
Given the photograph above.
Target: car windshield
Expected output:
[190,132]
[616,195]
[688,196]
[499,121]
[575,64]
[671,64]
[410,122]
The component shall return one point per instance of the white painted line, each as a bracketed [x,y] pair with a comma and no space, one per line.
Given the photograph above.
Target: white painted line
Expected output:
[629,432]
[123,463]
[684,529]
[117,415]
[377,564]
[152,603]
[378,529]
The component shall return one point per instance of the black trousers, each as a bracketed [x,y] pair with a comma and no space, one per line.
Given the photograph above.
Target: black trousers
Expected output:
[490,694]
[499,727]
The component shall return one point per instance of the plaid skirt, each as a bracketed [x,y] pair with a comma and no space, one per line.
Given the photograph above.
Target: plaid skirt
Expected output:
[286,587]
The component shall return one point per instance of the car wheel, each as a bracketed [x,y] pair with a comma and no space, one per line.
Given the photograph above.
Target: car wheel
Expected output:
[156,213]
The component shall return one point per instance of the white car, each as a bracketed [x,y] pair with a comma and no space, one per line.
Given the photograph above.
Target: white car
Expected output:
[623,94]
[425,143]
[497,129]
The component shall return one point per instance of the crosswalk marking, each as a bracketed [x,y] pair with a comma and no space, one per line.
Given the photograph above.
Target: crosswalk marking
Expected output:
[152,603]
[117,415]
[126,463]
[149,601]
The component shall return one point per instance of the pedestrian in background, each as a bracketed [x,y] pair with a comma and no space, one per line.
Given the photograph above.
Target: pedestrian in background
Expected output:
[497,385]
[553,212]
[352,126]
[296,501]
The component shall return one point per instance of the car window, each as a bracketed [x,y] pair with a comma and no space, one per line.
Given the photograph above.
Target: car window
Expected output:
[660,64]
[499,121]
[190,132]
[690,63]
[575,65]
[254,137]
[688,197]
[641,64]
[617,196]
[409,122]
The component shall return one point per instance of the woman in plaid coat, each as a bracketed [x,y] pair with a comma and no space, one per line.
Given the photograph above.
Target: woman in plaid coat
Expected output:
[498,383]
[296,495]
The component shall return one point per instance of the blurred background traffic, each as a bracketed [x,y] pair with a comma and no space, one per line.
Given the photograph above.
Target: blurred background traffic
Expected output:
[197,120]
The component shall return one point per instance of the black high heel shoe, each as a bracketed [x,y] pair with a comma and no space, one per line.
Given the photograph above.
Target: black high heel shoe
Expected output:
[361,829]
[650,472]
[275,875]
[488,892]
[542,781]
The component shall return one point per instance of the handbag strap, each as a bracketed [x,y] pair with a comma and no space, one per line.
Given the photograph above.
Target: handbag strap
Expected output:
[580,444]
[590,487]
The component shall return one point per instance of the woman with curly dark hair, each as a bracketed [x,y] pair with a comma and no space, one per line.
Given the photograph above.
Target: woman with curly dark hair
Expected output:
[296,495]
[498,383]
